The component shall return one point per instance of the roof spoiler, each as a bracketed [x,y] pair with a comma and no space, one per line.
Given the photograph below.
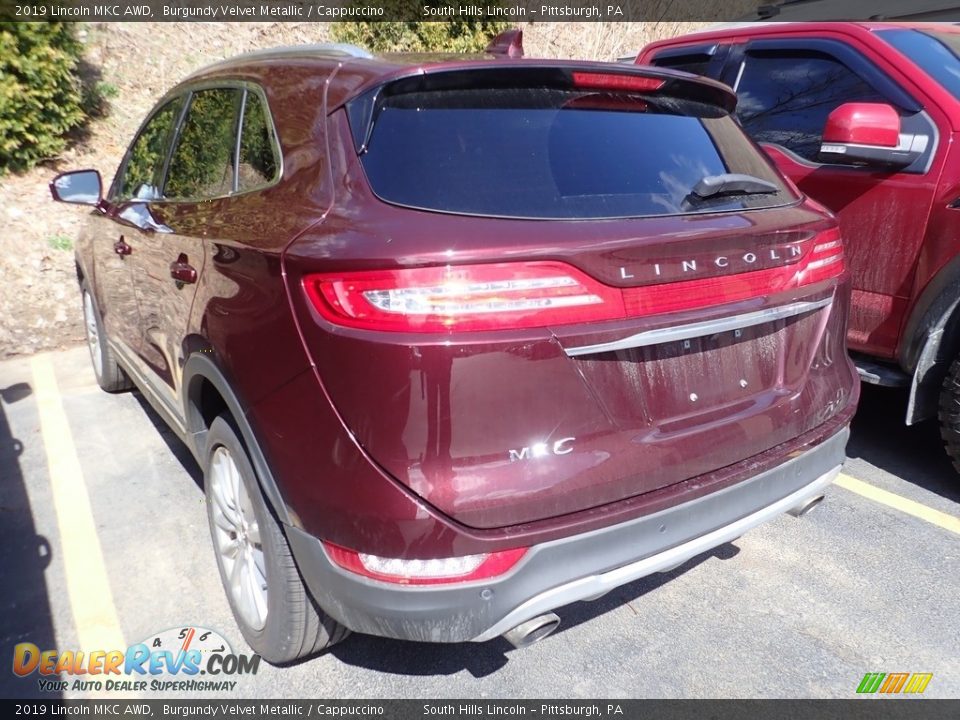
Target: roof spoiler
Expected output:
[509,44]
[364,107]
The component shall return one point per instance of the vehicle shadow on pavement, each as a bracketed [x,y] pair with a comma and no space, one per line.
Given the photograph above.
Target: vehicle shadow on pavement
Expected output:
[914,453]
[24,556]
[399,657]
[176,446]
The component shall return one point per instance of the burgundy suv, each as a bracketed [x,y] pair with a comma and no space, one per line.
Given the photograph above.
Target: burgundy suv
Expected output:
[457,343]
[865,117]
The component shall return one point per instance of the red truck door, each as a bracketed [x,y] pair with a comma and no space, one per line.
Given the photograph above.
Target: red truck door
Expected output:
[786,89]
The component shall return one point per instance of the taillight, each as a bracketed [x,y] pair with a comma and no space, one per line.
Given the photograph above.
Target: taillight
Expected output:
[435,571]
[823,261]
[463,297]
[826,258]
[691,294]
[616,82]
[521,295]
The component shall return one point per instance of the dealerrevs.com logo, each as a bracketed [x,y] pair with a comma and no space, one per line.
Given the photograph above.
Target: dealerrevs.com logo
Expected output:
[188,659]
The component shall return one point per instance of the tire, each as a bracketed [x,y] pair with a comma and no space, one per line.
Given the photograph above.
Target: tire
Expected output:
[949,413]
[110,375]
[276,614]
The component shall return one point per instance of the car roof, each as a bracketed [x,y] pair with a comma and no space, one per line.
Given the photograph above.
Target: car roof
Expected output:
[358,70]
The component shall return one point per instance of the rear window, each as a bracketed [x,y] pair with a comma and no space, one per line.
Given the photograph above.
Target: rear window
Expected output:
[554,153]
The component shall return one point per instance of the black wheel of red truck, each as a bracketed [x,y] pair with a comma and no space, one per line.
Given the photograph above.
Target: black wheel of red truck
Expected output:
[276,614]
[109,374]
[949,413]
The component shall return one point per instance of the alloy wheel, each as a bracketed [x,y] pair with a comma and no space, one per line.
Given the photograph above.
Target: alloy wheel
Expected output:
[93,334]
[237,539]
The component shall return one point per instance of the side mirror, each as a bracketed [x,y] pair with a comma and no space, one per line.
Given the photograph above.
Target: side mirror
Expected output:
[80,187]
[869,134]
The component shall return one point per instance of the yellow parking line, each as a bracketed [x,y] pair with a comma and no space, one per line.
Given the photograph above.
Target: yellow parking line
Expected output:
[898,502]
[88,587]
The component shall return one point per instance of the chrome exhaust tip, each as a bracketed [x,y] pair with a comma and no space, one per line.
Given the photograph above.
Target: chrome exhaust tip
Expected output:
[531,631]
[806,506]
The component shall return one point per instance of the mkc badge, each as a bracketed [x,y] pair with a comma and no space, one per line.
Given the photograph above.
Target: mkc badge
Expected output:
[563,446]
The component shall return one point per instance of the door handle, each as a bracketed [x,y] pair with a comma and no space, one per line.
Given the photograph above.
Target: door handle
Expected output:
[182,271]
[121,248]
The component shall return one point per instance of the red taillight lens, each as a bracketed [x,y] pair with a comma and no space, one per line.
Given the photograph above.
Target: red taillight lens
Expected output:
[826,258]
[425,572]
[615,82]
[823,261]
[690,294]
[522,295]
[463,297]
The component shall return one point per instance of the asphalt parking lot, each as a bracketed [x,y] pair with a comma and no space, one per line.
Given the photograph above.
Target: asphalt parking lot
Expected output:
[104,539]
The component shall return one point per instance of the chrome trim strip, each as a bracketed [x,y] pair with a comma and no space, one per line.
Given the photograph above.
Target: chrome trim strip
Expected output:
[706,327]
[595,586]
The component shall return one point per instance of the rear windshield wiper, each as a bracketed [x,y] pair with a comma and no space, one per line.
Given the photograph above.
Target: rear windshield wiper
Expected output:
[726,184]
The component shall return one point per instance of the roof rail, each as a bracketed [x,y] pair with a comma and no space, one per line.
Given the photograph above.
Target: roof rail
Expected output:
[330,50]
[327,49]
[342,49]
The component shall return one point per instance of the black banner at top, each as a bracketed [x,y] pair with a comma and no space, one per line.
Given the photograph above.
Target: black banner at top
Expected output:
[452,10]
[473,709]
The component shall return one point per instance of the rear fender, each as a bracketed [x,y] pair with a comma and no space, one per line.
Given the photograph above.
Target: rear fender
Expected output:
[197,369]
[931,341]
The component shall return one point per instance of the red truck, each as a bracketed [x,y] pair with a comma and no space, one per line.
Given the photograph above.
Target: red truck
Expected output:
[864,118]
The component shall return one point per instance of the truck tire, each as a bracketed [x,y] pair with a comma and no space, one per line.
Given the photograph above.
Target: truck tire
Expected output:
[276,614]
[949,413]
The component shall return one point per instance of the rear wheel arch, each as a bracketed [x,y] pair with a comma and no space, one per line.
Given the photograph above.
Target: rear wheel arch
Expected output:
[931,341]
[275,611]
[206,395]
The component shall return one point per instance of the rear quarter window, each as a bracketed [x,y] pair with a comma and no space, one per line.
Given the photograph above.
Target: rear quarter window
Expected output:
[551,153]
[257,163]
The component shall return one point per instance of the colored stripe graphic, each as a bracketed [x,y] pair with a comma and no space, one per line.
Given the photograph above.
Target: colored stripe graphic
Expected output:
[918,683]
[893,683]
[870,682]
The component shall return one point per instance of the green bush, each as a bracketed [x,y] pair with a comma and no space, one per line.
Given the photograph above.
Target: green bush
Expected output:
[467,36]
[40,92]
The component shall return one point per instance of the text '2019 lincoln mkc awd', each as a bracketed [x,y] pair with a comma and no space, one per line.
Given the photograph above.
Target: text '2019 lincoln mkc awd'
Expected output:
[457,342]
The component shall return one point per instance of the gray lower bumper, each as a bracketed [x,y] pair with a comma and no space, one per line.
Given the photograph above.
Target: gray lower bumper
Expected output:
[563,571]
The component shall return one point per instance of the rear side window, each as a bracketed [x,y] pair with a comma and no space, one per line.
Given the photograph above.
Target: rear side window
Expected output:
[552,153]
[202,162]
[258,161]
[785,98]
[141,172]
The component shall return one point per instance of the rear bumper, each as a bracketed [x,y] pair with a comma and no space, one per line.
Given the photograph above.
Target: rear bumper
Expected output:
[559,572]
